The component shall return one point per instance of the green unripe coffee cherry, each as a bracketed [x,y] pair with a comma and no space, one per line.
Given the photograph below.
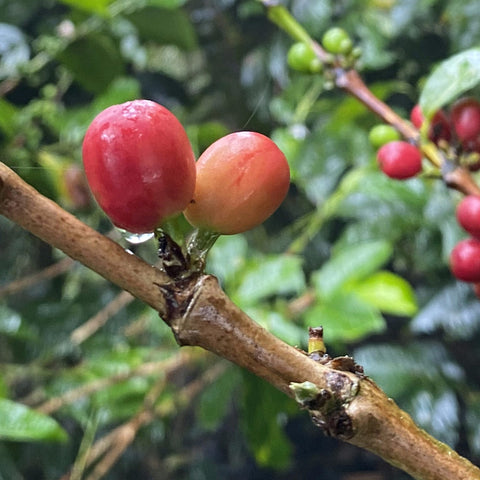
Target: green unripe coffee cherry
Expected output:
[302,58]
[337,41]
[382,134]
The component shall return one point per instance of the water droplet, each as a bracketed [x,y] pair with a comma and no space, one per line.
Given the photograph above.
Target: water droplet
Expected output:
[136,238]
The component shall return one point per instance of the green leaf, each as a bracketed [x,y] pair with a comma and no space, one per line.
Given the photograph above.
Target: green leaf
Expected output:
[272,275]
[402,369]
[95,61]
[453,309]
[388,292]
[18,422]
[278,324]
[345,317]
[473,422]
[216,399]
[7,114]
[90,6]
[450,79]
[350,264]
[227,258]
[167,3]
[263,408]
[164,26]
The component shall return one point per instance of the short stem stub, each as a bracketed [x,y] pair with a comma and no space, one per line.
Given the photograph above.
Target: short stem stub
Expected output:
[173,261]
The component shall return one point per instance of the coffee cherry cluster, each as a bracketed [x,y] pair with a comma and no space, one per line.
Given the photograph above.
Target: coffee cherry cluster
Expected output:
[396,158]
[141,170]
[465,257]
[336,50]
[456,130]
[459,130]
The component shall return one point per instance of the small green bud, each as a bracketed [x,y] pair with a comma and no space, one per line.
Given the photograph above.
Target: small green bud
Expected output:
[304,392]
[302,58]
[382,134]
[337,41]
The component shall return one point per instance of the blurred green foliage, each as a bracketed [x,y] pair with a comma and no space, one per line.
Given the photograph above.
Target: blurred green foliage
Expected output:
[356,252]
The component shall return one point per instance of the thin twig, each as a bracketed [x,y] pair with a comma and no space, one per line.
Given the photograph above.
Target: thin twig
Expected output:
[28,281]
[107,450]
[144,370]
[93,324]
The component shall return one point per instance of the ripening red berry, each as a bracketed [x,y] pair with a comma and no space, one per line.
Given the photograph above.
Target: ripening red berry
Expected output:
[465,260]
[241,180]
[439,126]
[465,115]
[416,116]
[476,289]
[139,164]
[399,159]
[468,214]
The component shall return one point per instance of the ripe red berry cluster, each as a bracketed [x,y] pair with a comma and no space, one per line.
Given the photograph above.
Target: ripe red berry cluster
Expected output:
[142,171]
[465,257]
[459,126]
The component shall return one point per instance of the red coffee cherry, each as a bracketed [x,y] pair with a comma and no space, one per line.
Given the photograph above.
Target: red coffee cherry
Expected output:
[468,214]
[139,164]
[241,180]
[416,116]
[465,260]
[399,159]
[465,115]
[439,127]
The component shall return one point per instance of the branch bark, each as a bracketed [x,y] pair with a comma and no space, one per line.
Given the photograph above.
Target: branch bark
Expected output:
[344,403]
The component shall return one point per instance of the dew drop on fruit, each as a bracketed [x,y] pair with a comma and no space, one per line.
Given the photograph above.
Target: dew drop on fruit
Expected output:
[135,238]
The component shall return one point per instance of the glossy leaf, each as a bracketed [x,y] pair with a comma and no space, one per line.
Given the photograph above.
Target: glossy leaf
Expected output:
[166,3]
[388,292]
[473,423]
[227,258]
[94,61]
[450,79]
[268,276]
[438,413]
[266,438]
[216,399]
[350,264]
[417,366]
[344,317]
[7,115]
[164,26]
[90,6]
[279,325]
[454,309]
[18,422]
